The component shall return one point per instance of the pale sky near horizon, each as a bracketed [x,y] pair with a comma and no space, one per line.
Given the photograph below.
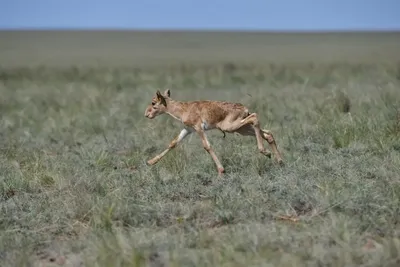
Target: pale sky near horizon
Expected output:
[201,14]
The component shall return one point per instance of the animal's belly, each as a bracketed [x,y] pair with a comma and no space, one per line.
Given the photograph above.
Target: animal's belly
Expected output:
[206,126]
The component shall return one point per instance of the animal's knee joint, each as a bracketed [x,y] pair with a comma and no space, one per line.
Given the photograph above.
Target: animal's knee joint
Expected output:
[255,120]
[207,148]
[172,145]
[270,139]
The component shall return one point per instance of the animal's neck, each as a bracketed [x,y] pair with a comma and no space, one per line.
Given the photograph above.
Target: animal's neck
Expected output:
[175,109]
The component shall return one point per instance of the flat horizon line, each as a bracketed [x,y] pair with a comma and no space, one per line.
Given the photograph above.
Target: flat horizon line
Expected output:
[205,30]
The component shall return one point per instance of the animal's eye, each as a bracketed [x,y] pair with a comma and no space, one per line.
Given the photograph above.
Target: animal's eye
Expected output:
[153,103]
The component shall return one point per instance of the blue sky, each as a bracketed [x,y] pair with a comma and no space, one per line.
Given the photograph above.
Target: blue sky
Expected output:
[202,14]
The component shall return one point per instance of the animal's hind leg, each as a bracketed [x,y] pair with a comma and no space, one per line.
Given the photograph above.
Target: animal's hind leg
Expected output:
[252,121]
[267,135]
[248,130]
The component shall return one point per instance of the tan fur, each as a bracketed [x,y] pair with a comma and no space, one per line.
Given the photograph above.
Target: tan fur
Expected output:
[201,116]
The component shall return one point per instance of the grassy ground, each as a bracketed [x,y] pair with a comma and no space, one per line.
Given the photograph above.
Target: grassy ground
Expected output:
[124,48]
[75,189]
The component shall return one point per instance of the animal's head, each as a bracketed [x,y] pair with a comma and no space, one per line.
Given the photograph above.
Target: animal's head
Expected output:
[158,104]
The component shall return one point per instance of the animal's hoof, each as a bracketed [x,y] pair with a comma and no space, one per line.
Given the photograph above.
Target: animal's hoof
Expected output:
[281,163]
[221,171]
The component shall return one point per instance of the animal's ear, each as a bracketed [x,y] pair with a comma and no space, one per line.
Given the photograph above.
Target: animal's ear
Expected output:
[158,94]
[167,92]
[161,98]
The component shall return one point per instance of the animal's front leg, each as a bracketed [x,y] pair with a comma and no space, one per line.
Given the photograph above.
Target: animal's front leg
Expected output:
[208,148]
[185,132]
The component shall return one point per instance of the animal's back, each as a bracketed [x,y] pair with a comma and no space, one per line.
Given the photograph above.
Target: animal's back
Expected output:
[214,112]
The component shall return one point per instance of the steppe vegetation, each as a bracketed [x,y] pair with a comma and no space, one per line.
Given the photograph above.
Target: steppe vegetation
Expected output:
[75,189]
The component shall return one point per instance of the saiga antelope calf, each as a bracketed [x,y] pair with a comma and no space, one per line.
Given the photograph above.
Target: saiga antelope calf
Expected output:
[201,116]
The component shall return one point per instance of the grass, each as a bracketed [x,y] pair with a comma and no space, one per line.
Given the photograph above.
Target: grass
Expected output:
[75,189]
[152,49]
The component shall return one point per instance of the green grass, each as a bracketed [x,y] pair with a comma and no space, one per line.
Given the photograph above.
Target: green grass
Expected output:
[74,186]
